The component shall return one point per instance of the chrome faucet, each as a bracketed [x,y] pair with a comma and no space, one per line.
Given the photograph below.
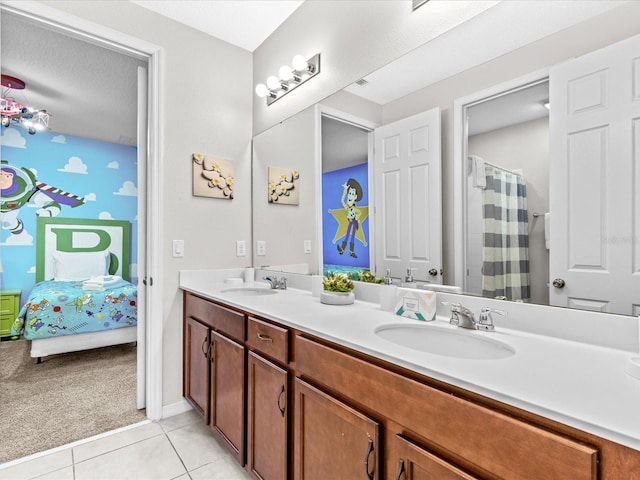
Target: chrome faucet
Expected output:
[277,283]
[485,322]
[463,317]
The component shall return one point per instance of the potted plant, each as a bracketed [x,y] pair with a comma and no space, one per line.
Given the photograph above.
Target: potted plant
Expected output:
[337,289]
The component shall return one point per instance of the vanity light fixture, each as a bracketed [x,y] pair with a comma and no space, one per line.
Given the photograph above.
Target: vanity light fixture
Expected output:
[289,78]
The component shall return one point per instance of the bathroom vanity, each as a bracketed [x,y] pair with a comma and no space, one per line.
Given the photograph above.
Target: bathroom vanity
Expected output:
[298,389]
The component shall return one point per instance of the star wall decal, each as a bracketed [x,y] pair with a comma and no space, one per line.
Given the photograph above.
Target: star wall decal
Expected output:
[340,214]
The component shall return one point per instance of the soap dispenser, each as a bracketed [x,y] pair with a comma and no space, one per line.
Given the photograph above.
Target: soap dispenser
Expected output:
[408,280]
[388,293]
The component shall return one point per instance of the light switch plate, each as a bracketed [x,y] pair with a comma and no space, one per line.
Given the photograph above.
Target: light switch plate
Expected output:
[261,247]
[178,248]
[241,248]
[307,246]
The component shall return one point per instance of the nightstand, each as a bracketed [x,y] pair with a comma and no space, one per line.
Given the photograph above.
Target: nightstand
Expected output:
[9,308]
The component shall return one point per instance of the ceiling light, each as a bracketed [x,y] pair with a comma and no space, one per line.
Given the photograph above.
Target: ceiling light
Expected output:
[18,113]
[288,78]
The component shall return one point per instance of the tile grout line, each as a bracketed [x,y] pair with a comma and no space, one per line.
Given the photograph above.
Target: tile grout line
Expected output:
[177,454]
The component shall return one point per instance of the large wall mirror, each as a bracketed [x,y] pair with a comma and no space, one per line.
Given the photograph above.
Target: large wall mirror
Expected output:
[518,150]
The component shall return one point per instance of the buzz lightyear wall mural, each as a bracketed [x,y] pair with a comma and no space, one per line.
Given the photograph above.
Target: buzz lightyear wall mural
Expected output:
[345,214]
[57,175]
[20,187]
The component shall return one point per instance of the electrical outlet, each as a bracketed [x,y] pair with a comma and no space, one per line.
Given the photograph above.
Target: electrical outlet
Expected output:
[178,248]
[307,246]
[261,247]
[241,248]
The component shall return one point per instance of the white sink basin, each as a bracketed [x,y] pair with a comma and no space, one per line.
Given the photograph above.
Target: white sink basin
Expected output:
[450,343]
[249,291]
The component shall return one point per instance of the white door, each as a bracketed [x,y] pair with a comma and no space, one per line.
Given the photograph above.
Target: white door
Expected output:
[141,366]
[408,198]
[595,170]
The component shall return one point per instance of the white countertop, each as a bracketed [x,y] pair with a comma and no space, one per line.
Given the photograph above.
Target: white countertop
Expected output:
[577,384]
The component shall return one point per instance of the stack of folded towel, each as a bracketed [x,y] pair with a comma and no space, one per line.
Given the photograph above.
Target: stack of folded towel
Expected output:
[99,282]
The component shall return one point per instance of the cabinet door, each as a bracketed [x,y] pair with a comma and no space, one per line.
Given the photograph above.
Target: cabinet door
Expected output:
[227,392]
[196,366]
[333,440]
[415,463]
[268,419]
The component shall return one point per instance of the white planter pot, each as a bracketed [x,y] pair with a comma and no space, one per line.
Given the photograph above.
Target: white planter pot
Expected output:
[337,298]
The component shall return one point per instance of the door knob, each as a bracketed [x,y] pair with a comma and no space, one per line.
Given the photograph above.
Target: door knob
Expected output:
[433,272]
[558,283]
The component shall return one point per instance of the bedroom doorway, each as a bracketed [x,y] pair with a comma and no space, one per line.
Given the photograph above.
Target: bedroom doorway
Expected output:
[149,374]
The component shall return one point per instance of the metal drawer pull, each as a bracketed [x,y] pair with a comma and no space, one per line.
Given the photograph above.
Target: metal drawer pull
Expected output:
[265,338]
[366,461]
[400,469]
[279,399]
[204,352]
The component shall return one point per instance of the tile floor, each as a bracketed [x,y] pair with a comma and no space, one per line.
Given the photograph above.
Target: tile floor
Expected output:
[179,447]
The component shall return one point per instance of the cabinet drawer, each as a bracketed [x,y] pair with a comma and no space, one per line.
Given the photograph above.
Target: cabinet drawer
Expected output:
[471,434]
[215,316]
[269,339]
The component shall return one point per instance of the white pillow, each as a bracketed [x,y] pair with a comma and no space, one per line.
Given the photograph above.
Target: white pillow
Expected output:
[74,266]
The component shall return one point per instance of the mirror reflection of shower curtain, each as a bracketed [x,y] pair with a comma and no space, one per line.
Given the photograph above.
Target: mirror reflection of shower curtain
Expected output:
[505,267]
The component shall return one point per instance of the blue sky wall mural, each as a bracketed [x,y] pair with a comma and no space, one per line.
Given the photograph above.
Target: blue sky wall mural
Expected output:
[99,178]
[345,225]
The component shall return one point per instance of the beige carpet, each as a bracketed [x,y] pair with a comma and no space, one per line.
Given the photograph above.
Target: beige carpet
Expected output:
[66,398]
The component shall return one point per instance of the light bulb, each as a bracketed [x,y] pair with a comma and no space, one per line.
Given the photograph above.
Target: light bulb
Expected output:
[285,73]
[299,63]
[262,90]
[273,83]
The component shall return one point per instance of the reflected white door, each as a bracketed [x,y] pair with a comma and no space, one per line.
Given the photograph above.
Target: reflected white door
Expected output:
[408,197]
[595,170]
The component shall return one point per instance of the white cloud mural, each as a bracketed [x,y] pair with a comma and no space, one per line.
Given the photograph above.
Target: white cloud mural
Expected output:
[90,197]
[74,165]
[114,165]
[105,216]
[127,189]
[59,139]
[12,138]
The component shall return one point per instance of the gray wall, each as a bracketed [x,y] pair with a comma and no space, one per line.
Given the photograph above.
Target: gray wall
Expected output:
[205,109]
[354,37]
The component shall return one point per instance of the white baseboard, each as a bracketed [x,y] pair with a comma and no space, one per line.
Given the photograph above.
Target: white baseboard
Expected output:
[176,408]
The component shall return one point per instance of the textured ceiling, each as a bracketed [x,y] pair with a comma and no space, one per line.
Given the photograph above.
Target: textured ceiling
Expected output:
[89,91]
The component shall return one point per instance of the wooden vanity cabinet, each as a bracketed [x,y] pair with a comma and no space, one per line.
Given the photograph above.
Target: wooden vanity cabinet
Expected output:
[332,439]
[196,365]
[416,463]
[354,416]
[267,400]
[228,393]
[217,389]
[267,419]
[480,440]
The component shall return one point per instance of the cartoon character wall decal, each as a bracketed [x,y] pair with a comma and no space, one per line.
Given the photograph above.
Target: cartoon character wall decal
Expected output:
[350,218]
[20,187]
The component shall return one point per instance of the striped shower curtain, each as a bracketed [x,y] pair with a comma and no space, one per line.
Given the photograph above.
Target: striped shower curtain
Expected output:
[505,267]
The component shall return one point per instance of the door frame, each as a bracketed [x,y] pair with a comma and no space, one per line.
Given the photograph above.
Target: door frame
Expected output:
[120,42]
[370,126]
[460,144]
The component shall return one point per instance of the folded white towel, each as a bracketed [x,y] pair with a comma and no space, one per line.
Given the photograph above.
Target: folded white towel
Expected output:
[93,288]
[547,237]
[98,282]
[477,171]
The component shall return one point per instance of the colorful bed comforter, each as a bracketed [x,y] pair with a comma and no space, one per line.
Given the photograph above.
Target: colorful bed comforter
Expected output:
[65,308]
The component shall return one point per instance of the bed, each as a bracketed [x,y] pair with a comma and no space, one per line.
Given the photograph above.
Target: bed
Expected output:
[83,297]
